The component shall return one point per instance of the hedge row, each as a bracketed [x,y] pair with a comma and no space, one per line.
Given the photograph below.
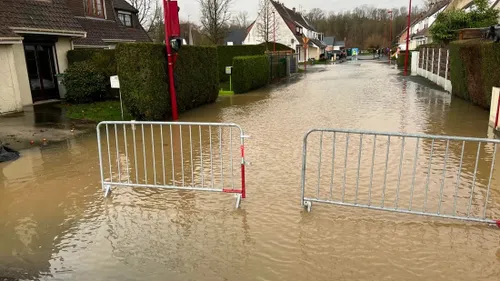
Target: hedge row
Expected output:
[279,47]
[401,60]
[104,60]
[226,54]
[474,70]
[196,77]
[250,72]
[143,76]
[143,72]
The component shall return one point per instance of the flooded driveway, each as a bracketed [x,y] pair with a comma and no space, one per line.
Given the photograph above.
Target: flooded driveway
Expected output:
[55,223]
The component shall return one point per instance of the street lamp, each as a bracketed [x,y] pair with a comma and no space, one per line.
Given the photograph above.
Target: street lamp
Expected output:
[407,52]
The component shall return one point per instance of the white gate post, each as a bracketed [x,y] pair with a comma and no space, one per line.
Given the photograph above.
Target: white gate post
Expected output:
[432,62]
[446,70]
[427,63]
[439,66]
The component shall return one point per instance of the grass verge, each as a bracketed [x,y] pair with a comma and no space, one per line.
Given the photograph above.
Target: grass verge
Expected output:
[97,112]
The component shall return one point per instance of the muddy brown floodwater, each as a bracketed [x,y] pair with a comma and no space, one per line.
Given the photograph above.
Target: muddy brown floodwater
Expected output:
[55,223]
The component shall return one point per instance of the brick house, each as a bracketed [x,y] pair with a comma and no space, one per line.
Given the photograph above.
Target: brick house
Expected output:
[35,36]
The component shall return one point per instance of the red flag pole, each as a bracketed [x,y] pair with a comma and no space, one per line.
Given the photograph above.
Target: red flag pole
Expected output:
[407,52]
[173,97]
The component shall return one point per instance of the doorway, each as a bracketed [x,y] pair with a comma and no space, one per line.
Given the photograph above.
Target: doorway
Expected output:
[41,65]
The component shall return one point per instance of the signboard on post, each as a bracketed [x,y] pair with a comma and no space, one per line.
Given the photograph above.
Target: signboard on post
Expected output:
[229,69]
[115,84]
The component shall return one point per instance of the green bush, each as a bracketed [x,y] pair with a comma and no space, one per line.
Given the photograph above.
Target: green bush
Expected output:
[104,61]
[84,83]
[143,76]
[250,72]
[196,76]
[226,54]
[445,28]
[144,82]
[279,47]
[401,60]
[474,70]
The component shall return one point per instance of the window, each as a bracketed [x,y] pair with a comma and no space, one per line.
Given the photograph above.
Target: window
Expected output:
[95,8]
[125,18]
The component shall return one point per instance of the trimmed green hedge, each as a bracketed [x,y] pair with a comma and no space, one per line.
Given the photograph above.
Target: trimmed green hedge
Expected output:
[103,60]
[143,72]
[226,54]
[474,70]
[279,47]
[143,76]
[401,60]
[250,72]
[196,76]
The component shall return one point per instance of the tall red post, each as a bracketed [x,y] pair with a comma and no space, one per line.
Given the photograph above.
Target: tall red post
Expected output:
[407,51]
[390,36]
[173,96]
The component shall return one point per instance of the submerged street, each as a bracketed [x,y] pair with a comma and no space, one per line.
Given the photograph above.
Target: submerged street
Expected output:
[56,224]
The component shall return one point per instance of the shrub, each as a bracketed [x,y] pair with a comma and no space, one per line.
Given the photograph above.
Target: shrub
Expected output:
[448,23]
[226,54]
[474,70]
[401,60]
[104,61]
[196,76]
[250,72]
[143,76]
[143,72]
[279,47]
[84,83]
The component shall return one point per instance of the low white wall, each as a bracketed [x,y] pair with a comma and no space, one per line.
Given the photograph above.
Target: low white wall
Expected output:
[441,81]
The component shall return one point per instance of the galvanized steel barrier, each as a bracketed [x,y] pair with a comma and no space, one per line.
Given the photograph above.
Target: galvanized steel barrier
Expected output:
[172,155]
[439,176]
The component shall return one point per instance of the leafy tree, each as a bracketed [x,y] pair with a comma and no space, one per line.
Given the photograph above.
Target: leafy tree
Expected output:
[447,24]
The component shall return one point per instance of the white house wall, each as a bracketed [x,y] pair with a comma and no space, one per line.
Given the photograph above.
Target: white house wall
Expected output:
[10,100]
[283,33]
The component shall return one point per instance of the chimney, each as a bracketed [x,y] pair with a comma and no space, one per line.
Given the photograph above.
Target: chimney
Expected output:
[293,9]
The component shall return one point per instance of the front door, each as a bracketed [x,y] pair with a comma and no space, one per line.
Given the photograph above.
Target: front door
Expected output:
[41,70]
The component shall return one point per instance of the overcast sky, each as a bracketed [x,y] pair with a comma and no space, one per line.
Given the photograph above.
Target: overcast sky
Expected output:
[191,7]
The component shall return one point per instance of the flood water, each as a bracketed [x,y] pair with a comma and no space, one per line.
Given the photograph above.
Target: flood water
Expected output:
[55,223]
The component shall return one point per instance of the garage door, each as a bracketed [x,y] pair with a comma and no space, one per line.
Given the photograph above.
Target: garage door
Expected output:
[10,99]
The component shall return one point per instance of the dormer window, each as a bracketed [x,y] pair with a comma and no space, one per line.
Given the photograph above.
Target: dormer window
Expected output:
[298,29]
[125,18]
[94,8]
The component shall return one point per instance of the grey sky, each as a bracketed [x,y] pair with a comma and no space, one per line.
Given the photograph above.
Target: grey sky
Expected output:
[191,7]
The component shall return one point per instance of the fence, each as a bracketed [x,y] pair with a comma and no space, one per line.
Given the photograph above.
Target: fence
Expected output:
[440,176]
[172,155]
[434,64]
[282,64]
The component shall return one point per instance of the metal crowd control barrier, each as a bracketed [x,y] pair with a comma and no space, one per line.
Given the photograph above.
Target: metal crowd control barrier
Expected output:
[172,155]
[439,176]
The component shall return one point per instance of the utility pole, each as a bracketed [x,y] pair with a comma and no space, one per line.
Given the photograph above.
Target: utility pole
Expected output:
[407,52]
[168,29]
[390,36]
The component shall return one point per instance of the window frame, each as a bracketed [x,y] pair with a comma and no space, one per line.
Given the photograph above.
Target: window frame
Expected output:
[125,14]
[89,9]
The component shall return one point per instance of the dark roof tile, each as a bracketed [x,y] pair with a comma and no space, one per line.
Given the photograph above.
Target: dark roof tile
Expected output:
[97,30]
[124,5]
[44,14]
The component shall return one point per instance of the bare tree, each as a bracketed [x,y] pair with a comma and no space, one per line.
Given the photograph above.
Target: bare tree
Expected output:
[147,10]
[265,24]
[315,16]
[241,19]
[215,18]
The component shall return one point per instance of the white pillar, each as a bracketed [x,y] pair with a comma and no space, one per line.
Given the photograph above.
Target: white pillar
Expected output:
[427,63]
[414,62]
[439,65]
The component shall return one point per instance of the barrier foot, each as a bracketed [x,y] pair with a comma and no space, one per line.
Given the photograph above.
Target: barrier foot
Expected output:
[238,200]
[107,190]
[308,206]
